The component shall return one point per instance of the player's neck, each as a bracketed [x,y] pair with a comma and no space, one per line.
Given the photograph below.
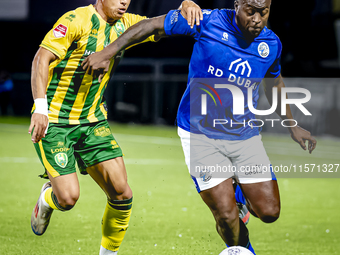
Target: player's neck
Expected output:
[99,10]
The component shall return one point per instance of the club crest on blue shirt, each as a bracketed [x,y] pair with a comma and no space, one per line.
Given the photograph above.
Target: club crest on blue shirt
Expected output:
[225,36]
[263,49]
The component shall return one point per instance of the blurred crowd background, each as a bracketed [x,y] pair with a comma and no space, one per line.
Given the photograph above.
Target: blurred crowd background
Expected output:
[148,85]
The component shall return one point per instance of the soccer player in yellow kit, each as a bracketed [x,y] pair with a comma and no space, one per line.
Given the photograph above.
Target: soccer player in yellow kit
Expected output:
[68,123]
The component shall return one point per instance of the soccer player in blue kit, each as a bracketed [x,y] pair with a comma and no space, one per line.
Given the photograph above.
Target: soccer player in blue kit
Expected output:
[236,47]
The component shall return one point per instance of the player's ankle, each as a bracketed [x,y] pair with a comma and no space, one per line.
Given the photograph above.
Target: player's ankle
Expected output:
[104,251]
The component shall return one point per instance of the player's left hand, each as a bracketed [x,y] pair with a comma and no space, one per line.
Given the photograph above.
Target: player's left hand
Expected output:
[191,12]
[96,62]
[39,125]
[300,136]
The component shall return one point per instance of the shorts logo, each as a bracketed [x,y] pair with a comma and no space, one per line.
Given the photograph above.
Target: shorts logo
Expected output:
[206,175]
[102,131]
[263,49]
[60,144]
[60,31]
[63,149]
[61,159]
[114,144]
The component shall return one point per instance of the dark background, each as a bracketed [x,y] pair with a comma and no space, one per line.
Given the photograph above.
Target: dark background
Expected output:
[305,27]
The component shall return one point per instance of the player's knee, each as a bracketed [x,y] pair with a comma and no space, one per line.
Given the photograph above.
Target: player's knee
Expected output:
[68,202]
[270,214]
[121,191]
[121,188]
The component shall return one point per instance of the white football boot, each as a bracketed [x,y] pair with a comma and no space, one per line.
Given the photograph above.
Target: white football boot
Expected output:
[41,213]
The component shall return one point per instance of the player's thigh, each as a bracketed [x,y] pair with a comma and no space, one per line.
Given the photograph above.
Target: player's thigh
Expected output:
[221,200]
[96,145]
[252,162]
[257,179]
[56,153]
[101,156]
[264,199]
[111,176]
[207,165]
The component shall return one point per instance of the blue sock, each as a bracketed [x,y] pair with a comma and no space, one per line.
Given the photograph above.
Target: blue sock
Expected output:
[251,248]
[239,195]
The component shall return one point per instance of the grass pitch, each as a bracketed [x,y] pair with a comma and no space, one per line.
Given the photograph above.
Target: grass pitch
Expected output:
[168,214]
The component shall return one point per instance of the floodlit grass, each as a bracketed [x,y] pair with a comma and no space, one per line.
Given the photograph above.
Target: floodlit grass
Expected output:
[168,214]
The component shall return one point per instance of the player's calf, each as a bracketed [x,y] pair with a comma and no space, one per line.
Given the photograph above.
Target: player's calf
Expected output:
[114,224]
[269,213]
[111,176]
[227,225]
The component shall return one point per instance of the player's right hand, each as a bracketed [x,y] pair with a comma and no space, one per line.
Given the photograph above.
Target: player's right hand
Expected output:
[300,136]
[191,12]
[96,62]
[39,124]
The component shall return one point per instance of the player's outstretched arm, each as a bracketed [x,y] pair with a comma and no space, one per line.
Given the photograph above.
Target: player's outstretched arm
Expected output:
[39,79]
[297,133]
[138,33]
[135,34]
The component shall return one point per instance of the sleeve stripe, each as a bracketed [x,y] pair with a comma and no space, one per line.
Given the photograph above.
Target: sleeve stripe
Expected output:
[50,49]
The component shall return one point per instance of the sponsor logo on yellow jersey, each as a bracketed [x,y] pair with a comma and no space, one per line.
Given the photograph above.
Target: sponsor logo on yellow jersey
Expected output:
[102,131]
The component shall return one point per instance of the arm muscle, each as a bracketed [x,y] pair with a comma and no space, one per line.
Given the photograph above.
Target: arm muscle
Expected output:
[39,77]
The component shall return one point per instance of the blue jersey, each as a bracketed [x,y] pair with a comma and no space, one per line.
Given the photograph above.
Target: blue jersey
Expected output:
[224,68]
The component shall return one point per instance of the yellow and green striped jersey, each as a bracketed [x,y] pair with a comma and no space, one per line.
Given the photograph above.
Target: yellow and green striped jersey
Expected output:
[73,96]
